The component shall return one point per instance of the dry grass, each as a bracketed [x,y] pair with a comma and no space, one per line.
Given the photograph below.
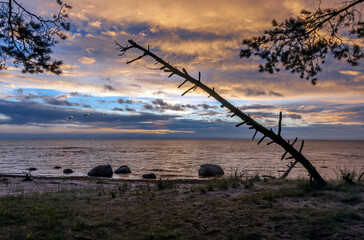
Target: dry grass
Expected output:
[230,208]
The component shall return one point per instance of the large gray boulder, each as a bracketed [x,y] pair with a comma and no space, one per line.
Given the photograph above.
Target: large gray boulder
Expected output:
[210,170]
[101,171]
[122,170]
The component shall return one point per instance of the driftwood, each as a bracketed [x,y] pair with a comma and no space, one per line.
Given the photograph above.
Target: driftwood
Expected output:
[267,133]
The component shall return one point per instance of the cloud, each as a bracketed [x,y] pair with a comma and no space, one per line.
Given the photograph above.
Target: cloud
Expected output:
[96,24]
[118,109]
[258,92]
[77,94]
[86,60]
[255,107]
[207,106]
[36,113]
[109,88]
[122,101]
[56,102]
[275,94]
[352,73]
[162,106]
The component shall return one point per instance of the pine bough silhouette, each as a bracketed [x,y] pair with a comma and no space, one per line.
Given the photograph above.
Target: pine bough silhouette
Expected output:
[246,119]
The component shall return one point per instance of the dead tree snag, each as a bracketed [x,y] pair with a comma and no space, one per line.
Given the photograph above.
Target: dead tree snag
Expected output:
[276,138]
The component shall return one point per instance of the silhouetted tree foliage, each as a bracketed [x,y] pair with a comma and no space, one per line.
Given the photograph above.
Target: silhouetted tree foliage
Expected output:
[302,44]
[27,39]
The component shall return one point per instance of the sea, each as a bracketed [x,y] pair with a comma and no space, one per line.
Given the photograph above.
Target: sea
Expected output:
[175,159]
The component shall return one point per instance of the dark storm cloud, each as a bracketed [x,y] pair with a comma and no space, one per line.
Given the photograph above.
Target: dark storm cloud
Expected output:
[130,109]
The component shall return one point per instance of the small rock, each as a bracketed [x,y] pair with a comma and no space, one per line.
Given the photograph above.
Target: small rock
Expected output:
[122,170]
[32,169]
[57,167]
[210,170]
[149,176]
[67,171]
[101,171]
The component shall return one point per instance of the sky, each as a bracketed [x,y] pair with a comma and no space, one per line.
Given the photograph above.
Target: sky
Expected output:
[134,101]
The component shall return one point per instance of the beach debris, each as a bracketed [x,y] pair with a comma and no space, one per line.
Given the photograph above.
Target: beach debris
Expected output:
[27,176]
[67,171]
[210,170]
[57,167]
[70,118]
[122,170]
[149,176]
[101,171]
[86,114]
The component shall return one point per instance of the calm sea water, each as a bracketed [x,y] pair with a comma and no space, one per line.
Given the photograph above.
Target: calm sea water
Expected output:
[173,159]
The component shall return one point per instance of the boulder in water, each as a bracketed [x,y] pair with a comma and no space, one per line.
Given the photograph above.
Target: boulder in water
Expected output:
[210,170]
[32,169]
[67,171]
[101,171]
[57,167]
[122,170]
[149,176]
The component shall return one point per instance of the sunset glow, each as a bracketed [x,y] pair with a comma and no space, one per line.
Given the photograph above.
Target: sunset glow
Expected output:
[139,102]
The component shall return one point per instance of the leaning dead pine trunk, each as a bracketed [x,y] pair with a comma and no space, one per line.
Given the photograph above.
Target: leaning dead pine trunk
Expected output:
[267,133]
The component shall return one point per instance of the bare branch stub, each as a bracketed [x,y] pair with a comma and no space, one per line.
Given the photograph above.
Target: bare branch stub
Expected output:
[280,124]
[297,155]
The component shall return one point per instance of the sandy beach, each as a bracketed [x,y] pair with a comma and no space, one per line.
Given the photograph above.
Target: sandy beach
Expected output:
[15,184]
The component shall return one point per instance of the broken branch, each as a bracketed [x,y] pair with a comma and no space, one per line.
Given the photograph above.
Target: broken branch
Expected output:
[261,139]
[194,87]
[280,124]
[135,59]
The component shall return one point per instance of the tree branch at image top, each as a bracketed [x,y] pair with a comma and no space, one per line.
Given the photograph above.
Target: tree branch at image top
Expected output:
[27,39]
[302,44]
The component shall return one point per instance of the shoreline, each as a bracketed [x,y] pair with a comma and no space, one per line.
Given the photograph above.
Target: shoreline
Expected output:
[14,184]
